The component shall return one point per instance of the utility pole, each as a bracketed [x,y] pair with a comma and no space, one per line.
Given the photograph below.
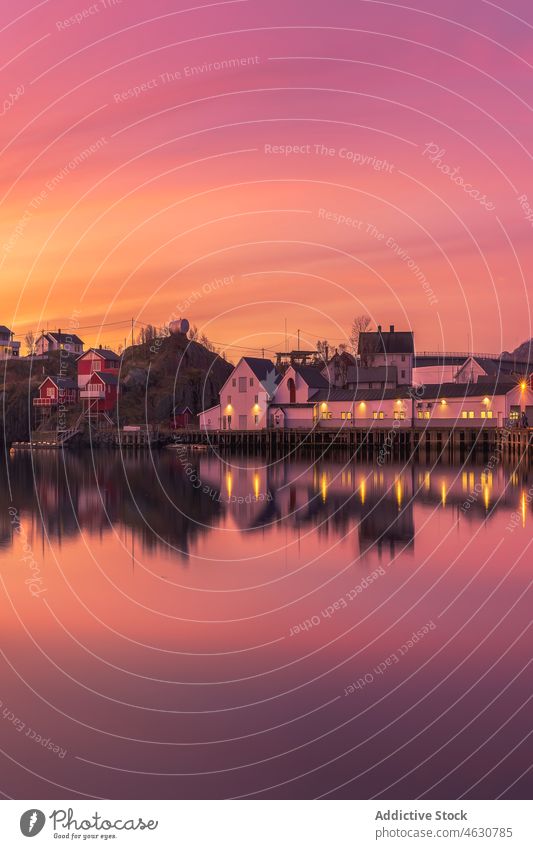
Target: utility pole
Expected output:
[298,340]
[132,324]
[286,341]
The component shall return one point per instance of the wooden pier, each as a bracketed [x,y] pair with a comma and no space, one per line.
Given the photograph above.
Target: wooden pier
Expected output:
[283,441]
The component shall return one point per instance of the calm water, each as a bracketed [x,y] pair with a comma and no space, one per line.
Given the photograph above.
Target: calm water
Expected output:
[230,629]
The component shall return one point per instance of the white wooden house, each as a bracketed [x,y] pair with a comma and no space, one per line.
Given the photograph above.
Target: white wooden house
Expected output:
[244,397]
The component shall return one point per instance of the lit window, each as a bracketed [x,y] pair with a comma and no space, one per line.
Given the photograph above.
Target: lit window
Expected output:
[486,414]
[378,414]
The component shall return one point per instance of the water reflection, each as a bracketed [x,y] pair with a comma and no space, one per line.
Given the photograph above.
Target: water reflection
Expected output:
[168,501]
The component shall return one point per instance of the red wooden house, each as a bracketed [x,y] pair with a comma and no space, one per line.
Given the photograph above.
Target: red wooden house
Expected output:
[181,417]
[54,391]
[99,394]
[101,360]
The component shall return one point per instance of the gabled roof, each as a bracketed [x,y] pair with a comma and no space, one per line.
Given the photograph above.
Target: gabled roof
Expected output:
[179,411]
[4,329]
[262,368]
[387,342]
[105,377]
[312,376]
[60,382]
[62,338]
[496,366]
[106,353]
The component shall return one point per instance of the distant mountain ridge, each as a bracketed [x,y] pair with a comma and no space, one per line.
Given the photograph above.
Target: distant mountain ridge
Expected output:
[524,352]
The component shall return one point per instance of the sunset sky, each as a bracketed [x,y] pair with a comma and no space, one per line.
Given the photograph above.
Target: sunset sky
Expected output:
[145,170]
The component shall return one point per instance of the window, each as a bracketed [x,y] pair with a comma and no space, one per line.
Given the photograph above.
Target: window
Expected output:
[486,414]
[346,415]
[403,372]
[251,381]
[399,414]
[326,415]
[423,414]
[234,382]
[229,399]
[378,414]
[242,384]
[50,392]
[467,414]
[256,399]
[256,420]
[403,358]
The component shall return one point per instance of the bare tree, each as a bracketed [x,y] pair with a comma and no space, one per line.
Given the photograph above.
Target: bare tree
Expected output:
[29,341]
[360,324]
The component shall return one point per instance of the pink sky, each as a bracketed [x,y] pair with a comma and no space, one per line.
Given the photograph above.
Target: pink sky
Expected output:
[179,189]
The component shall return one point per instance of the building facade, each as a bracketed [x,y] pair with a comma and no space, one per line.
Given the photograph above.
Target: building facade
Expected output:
[8,347]
[58,341]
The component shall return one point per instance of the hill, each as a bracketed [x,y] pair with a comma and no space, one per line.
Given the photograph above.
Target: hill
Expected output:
[168,372]
[155,377]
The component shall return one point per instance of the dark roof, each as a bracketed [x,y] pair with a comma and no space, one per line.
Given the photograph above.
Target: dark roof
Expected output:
[387,342]
[360,394]
[465,390]
[62,382]
[107,353]
[261,367]
[4,329]
[64,338]
[379,374]
[493,367]
[179,411]
[312,376]
[110,379]
[429,392]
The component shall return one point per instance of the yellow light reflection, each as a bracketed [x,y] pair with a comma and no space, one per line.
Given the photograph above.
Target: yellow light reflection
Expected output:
[443,493]
[229,483]
[523,504]
[399,492]
[324,487]
[256,485]
[362,490]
